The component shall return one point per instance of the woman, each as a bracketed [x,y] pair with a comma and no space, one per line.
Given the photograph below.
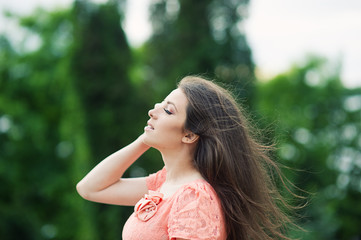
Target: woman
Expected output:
[214,184]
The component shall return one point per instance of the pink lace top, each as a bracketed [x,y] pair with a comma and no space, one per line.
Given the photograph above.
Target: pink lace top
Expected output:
[192,212]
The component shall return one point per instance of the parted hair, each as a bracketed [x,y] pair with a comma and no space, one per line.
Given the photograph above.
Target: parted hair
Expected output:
[234,162]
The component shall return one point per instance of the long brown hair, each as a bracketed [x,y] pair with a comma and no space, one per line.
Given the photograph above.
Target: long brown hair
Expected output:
[233,162]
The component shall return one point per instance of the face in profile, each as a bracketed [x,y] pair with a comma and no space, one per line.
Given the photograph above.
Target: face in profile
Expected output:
[165,128]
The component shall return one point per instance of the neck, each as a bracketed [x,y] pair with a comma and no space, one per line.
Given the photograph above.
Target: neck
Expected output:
[179,166]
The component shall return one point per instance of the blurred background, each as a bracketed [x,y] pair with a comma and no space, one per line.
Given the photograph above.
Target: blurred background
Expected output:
[78,77]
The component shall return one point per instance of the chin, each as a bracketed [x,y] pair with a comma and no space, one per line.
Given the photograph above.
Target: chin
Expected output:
[149,142]
[154,145]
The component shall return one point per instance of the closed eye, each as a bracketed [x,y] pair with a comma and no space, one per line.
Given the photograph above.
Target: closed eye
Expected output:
[167,111]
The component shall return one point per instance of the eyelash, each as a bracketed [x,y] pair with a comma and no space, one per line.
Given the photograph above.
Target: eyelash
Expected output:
[167,111]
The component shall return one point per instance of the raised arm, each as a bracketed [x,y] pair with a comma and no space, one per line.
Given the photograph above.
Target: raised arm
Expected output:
[104,183]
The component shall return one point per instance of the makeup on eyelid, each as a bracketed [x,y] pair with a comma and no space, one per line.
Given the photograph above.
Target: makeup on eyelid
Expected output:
[167,111]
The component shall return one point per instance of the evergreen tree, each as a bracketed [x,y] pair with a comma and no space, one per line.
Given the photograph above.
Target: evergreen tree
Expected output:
[37,190]
[199,37]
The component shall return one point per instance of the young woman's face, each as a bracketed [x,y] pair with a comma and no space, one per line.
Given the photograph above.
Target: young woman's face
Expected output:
[165,128]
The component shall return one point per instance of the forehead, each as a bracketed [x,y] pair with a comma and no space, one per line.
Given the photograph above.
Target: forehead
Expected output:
[179,99]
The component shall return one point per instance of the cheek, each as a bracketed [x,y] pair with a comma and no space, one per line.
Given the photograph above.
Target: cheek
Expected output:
[171,132]
[176,128]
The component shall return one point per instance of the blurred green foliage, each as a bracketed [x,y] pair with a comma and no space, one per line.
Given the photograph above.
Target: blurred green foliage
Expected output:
[73,91]
[317,122]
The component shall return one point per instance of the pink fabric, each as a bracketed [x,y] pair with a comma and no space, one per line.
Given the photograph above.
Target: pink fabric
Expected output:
[193,212]
[147,206]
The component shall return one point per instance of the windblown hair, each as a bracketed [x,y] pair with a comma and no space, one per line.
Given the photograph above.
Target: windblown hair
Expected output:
[234,163]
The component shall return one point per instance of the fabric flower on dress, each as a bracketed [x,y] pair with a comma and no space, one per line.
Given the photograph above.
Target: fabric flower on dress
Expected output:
[147,206]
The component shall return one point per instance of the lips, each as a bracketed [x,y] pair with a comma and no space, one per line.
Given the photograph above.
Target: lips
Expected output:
[149,126]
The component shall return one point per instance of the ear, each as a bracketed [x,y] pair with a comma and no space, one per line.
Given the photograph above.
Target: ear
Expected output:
[190,137]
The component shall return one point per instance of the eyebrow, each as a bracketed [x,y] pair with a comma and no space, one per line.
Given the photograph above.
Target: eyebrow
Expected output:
[169,102]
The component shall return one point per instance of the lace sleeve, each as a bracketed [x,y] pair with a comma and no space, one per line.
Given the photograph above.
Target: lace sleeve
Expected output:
[155,180]
[196,214]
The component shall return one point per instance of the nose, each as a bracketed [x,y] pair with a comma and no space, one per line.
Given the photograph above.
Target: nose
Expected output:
[152,112]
